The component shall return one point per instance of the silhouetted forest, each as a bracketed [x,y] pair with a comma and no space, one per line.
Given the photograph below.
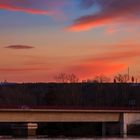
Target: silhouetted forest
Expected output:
[76,95]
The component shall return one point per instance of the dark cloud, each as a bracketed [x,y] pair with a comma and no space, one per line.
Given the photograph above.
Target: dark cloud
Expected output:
[111,11]
[19,47]
[114,5]
[87,3]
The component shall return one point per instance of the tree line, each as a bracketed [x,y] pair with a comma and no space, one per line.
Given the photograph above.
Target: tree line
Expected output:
[72,78]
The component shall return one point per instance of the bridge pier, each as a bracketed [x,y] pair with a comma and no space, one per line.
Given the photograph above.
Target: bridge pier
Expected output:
[103,129]
[123,125]
[19,130]
[24,130]
[31,129]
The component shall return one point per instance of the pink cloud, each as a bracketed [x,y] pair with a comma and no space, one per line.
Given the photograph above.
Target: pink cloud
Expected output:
[42,7]
[26,10]
[112,12]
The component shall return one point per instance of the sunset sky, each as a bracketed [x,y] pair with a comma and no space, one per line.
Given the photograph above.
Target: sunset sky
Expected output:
[41,38]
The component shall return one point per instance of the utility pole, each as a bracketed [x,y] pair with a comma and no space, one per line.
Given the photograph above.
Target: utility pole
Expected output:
[128,73]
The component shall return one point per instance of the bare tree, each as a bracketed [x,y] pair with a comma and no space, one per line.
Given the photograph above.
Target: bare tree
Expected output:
[61,77]
[91,81]
[66,78]
[72,78]
[99,79]
[102,79]
[122,78]
[132,79]
[126,78]
[119,78]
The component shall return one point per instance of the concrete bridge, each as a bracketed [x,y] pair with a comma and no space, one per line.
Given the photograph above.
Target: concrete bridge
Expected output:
[33,116]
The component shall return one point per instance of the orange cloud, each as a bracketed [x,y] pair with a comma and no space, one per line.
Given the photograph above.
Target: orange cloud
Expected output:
[88,24]
[86,70]
[111,11]
[26,10]
[116,29]
[117,56]
[21,69]
[108,64]
[111,31]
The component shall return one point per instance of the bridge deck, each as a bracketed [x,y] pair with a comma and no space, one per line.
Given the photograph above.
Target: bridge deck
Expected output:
[39,115]
[71,110]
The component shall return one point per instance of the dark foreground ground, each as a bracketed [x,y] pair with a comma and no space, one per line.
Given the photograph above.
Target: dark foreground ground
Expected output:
[75,96]
[70,96]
